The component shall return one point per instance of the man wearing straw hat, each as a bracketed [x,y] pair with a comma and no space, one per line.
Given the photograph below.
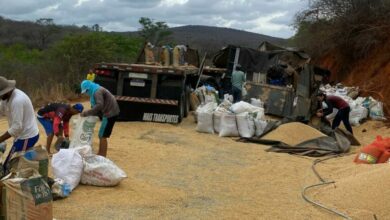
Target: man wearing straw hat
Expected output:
[23,127]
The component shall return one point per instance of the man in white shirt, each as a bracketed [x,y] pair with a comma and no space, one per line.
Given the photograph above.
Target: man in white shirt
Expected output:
[23,127]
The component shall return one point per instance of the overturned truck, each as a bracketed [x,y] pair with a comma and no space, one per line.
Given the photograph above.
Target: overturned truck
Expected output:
[293,97]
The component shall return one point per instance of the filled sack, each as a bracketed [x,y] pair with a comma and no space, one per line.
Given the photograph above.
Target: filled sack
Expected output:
[228,126]
[245,124]
[100,171]
[205,118]
[260,126]
[83,131]
[242,106]
[67,164]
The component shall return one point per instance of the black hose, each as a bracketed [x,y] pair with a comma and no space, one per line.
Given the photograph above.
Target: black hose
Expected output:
[323,182]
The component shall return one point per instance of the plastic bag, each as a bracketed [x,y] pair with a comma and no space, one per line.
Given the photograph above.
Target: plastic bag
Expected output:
[67,164]
[260,126]
[84,151]
[209,107]
[83,131]
[205,118]
[242,106]
[259,114]
[211,97]
[257,103]
[376,111]
[60,188]
[205,122]
[357,114]
[217,121]
[228,97]
[100,171]
[246,125]
[228,126]
[219,111]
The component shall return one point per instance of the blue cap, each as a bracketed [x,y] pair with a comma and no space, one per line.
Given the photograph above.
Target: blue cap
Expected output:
[85,85]
[79,107]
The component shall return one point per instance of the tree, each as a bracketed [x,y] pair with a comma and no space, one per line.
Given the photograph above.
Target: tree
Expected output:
[96,28]
[152,31]
[75,54]
[48,28]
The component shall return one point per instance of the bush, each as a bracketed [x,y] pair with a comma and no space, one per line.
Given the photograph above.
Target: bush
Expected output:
[55,74]
[354,27]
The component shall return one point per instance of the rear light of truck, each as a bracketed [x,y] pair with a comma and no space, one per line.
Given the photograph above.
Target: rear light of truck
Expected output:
[103,72]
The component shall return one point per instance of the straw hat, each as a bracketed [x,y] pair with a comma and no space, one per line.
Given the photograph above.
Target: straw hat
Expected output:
[6,85]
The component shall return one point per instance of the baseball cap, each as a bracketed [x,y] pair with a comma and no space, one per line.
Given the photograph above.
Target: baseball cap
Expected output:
[79,107]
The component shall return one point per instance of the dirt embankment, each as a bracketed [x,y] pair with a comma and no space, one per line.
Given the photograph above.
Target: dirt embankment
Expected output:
[371,74]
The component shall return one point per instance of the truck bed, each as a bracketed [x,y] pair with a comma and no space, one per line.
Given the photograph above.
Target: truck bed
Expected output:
[154,69]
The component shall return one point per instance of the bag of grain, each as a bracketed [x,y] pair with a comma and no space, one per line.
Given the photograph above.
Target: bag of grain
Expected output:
[228,97]
[257,103]
[84,151]
[219,111]
[217,121]
[67,164]
[258,113]
[357,114]
[83,131]
[376,111]
[228,126]
[260,125]
[100,171]
[242,106]
[205,118]
[245,124]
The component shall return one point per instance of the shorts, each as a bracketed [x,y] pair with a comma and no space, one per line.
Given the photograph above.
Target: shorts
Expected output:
[107,126]
[47,125]
[19,145]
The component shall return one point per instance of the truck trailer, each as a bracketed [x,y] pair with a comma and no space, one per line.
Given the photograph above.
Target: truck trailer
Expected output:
[151,91]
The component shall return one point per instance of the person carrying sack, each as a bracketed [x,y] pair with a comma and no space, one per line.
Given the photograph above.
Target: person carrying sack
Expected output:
[102,103]
[18,109]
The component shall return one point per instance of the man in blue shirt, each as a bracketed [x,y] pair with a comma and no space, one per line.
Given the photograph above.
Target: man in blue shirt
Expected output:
[238,80]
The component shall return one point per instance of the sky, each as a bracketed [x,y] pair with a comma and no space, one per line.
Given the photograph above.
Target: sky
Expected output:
[272,17]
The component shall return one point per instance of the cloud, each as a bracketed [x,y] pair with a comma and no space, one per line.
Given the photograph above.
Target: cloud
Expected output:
[272,17]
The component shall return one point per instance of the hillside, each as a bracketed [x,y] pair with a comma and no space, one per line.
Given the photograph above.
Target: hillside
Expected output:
[217,37]
[211,39]
[39,34]
[371,73]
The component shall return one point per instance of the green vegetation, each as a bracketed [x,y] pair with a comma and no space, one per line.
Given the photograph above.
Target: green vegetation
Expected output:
[152,31]
[353,28]
[53,72]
